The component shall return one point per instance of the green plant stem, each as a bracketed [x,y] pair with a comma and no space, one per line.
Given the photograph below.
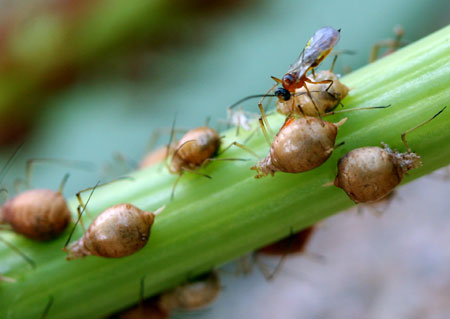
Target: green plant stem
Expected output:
[213,221]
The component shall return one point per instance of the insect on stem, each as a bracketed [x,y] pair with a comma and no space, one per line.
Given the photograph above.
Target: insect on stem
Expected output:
[47,307]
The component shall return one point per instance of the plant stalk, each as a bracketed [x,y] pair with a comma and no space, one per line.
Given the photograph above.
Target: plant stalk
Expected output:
[213,221]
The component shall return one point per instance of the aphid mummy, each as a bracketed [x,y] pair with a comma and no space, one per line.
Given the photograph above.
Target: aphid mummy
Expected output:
[39,214]
[301,144]
[325,100]
[194,295]
[119,231]
[191,296]
[194,148]
[368,174]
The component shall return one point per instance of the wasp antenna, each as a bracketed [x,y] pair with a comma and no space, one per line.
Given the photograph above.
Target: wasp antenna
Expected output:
[248,98]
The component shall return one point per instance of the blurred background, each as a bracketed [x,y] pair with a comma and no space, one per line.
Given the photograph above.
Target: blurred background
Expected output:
[86,79]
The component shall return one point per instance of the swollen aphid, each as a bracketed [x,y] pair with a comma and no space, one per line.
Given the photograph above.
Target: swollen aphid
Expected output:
[194,295]
[119,231]
[194,149]
[301,145]
[39,214]
[322,98]
[368,174]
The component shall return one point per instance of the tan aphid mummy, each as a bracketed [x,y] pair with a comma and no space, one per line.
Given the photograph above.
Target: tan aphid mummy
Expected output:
[193,295]
[301,145]
[194,148]
[119,231]
[324,100]
[367,174]
[39,214]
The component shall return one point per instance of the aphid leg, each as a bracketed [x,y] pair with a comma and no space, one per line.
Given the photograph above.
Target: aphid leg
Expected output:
[80,214]
[391,44]
[172,193]
[314,103]
[357,109]
[242,147]
[5,168]
[63,183]
[18,185]
[80,200]
[416,127]
[172,135]
[76,164]
[336,54]
[47,307]
[266,272]
[339,145]
[263,128]
[19,252]
[313,73]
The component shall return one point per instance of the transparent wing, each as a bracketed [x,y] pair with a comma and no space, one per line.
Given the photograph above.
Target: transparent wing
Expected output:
[317,48]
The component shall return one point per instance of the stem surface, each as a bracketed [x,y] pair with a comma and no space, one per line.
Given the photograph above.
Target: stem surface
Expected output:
[213,221]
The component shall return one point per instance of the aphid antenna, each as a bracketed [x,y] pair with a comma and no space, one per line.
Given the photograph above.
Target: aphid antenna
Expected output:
[336,54]
[80,214]
[19,252]
[78,194]
[357,109]
[8,163]
[63,182]
[47,307]
[83,165]
[172,135]
[416,127]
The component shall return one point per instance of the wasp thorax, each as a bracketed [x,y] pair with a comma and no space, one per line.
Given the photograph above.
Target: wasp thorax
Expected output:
[301,145]
[324,100]
[194,148]
[39,214]
[193,295]
[368,174]
[119,231]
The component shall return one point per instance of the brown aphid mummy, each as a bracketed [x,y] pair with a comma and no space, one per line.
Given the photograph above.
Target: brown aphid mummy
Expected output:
[368,174]
[194,148]
[326,98]
[119,231]
[301,145]
[193,295]
[39,214]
